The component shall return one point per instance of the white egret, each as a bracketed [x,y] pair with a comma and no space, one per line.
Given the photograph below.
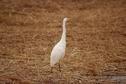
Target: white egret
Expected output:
[58,51]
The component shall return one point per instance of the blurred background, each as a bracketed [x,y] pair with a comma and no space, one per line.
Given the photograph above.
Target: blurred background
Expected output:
[96,41]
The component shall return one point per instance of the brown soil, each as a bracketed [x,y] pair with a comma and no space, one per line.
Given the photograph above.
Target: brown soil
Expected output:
[96,41]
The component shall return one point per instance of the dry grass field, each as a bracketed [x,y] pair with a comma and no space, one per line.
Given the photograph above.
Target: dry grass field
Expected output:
[96,41]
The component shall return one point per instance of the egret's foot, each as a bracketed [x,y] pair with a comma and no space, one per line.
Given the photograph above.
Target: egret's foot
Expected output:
[51,70]
[60,70]
[59,67]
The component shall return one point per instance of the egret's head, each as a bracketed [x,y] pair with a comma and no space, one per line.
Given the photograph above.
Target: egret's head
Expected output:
[65,19]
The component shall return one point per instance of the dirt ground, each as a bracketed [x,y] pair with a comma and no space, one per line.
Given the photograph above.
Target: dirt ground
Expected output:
[96,41]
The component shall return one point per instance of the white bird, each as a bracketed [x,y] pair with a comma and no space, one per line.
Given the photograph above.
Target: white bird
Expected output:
[58,51]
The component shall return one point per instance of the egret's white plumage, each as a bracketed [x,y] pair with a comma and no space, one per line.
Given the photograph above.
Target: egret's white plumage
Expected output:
[58,51]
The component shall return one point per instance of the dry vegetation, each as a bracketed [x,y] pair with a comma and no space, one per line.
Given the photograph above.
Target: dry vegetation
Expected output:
[96,41]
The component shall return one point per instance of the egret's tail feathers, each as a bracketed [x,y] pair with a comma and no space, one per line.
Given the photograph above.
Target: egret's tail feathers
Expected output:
[52,63]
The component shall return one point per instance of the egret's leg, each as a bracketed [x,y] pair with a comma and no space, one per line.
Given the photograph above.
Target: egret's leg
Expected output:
[51,69]
[59,67]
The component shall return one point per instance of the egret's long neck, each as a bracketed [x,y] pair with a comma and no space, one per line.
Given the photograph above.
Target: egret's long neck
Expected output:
[63,38]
